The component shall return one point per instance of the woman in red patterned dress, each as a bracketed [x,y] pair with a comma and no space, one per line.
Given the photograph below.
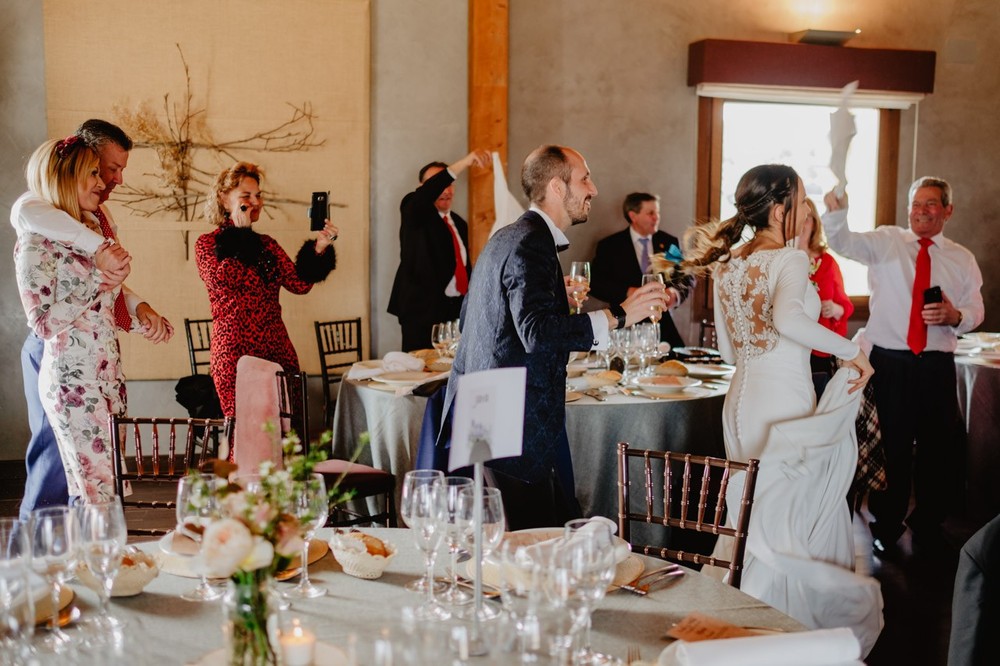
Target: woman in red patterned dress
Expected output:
[244,272]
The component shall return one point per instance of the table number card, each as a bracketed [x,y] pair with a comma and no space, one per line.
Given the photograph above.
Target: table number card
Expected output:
[488,420]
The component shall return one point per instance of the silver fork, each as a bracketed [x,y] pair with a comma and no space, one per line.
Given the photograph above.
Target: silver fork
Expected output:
[633,655]
[596,394]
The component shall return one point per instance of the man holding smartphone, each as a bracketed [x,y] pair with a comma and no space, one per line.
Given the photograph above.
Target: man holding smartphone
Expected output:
[434,261]
[925,292]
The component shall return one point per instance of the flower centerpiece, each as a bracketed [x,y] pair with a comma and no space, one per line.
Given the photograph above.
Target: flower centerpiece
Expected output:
[256,533]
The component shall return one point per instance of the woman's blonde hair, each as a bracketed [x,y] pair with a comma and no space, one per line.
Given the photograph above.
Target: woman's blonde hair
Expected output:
[56,169]
[228,180]
[759,190]
[817,239]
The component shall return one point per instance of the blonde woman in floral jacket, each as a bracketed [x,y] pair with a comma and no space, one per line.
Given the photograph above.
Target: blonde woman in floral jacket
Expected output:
[80,381]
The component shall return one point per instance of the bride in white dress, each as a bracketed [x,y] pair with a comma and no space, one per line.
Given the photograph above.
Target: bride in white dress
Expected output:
[800,546]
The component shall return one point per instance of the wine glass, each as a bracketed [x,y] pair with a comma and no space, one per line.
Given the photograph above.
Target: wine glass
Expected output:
[441,337]
[102,543]
[492,528]
[579,279]
[17,608]
[655,310]
[54,535]
[197,506]
[587,556]
[311,505]
[417,509]
[450,524]
[456,335]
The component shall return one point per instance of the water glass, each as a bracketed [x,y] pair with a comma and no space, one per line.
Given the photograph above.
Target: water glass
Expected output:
[102,543]
[450,523]
[311,505]
[417,509]
[54,535]
[586,561]
[441,337]
[197,506]
[17,608]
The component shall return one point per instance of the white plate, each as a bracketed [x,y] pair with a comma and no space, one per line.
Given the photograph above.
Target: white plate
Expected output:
[665,384]
[372,364]
[709,370]
[325,655]
[626,571]
[401,378]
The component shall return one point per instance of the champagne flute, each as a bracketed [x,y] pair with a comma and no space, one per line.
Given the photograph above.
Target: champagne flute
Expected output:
[417,509]
[17,608]
[102,543]
[655,310]
[197,506]
[579,279]
[311,505]
[54,534]
[449,522]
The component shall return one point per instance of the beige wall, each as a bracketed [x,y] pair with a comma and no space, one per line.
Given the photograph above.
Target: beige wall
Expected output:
[247,63]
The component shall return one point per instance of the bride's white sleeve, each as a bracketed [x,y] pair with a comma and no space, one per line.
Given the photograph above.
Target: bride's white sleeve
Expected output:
[721,332]
[788,310]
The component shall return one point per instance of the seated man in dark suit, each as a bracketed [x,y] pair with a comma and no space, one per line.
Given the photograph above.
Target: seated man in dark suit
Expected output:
[516,314]
[624,257]
[975,611]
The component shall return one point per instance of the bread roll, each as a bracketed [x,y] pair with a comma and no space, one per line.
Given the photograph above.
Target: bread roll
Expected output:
[671,369]
[374,545]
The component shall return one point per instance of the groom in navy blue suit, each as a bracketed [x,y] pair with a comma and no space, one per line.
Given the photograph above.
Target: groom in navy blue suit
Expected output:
[516,314]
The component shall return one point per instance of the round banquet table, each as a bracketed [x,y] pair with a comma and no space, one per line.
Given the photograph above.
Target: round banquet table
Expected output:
[688,423]
[979,402]
[164,629]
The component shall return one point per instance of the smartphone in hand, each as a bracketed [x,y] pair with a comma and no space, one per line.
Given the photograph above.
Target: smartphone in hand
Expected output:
[319,210]
[932,295]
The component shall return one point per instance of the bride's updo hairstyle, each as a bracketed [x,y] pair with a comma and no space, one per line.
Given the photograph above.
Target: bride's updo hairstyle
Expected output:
[760,189]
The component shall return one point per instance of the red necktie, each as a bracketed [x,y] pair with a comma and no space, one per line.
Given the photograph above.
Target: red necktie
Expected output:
[461,275]
[916,338]
[122,318]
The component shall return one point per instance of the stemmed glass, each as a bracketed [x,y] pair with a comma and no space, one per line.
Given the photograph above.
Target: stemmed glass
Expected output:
[441,337]
[449,521]
[579,279]
[493,524]
[456,335]
[311,505]
[587,556]
[655,310]
[54,534]
[417,510]
[197,506]
[17,610]
[102,543]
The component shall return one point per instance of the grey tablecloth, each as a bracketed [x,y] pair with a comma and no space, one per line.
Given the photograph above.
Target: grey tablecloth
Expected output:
[979,401]
[164,629]
[692,424]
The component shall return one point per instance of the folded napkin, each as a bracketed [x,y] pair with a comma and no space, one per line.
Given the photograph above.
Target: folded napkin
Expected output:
[825,647]
[394,361]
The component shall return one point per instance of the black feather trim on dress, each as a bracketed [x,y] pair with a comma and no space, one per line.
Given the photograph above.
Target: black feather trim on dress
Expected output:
[312,267]
[246,246]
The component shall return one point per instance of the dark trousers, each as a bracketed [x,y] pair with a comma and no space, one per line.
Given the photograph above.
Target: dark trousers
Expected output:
[918,410]
[46,482]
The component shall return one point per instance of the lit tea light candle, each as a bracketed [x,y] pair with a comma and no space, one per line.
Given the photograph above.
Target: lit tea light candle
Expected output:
[298,645]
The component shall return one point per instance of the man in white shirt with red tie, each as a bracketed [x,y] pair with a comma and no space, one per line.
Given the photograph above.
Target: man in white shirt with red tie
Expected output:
[925,292]
[45,484]
[434,260]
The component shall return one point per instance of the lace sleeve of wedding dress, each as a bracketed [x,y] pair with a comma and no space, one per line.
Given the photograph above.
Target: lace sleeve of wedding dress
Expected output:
[791,279]
[721,332]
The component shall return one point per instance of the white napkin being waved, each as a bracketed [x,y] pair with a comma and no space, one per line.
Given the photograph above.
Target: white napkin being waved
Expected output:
[824,647]
[394,361]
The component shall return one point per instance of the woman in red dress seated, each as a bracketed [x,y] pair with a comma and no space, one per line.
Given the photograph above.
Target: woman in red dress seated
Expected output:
[244,272]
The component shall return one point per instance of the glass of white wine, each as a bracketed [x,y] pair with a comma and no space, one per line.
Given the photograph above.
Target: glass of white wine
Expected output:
[655,310]
[579,279]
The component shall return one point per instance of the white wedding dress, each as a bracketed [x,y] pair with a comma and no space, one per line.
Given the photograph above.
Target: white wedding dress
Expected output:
[800,546]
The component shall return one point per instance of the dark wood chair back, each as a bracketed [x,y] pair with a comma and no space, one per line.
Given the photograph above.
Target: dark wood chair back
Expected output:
[681,491]
[152,453]
[339,344]
[199,339]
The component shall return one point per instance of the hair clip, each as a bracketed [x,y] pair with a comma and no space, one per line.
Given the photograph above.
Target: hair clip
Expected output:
[65,145]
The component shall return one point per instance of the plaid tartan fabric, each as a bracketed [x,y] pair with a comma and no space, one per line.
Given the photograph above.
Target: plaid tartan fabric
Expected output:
[870,474]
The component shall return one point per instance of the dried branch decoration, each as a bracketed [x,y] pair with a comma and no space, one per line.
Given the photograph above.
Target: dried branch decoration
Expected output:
[182,185]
